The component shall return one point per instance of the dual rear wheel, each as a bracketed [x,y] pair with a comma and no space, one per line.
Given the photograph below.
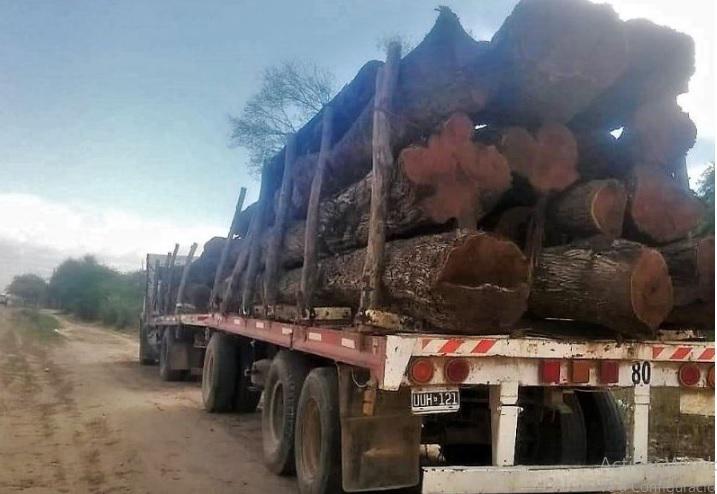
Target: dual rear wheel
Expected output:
[300,423]
[226,383]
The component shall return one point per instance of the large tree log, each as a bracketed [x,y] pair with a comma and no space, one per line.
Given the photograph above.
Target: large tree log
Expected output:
[660,210]
[660,62]
[513,223]
[222,262]
[555,57]
[700,315]
[476,283]
[548,161]
[692,267]
[659,134]
[451,177]
[691,263]
[442,75]
[600,156]
[590,208]
[618,284]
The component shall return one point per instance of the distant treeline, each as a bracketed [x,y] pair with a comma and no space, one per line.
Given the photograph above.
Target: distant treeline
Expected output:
[87,289]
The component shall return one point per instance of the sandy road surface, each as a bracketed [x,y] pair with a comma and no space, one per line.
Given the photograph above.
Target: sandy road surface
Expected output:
[78,414]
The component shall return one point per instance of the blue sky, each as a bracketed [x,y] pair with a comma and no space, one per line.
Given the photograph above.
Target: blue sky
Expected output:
[114,113]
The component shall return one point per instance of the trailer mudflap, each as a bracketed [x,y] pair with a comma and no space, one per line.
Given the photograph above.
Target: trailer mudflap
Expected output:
[380,438]
[532,479]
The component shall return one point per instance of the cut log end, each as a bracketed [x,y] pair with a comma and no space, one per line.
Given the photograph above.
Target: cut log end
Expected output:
[608,208]
[485,259]
[548,161]
[651,288]
[485,279]
[464,178]
[660,209]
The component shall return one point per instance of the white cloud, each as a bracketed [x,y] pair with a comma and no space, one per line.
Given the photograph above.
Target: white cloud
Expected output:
[116,238]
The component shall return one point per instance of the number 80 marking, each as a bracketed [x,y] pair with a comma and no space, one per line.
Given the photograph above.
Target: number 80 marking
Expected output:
[641,373]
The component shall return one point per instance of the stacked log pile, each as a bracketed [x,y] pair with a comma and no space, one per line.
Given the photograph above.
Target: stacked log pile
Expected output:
[482,182]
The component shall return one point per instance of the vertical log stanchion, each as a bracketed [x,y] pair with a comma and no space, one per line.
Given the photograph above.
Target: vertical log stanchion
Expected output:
[276,237]
[308,271]
[382,171]
[226,248]
[153,305]
[170,269]
[183,280]
[255,226]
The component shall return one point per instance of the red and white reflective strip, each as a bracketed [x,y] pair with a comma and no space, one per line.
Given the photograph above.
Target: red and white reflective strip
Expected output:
[456,346]
[546,348]
[683,353]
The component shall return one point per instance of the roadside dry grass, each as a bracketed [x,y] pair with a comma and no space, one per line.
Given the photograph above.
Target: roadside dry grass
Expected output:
[38,324]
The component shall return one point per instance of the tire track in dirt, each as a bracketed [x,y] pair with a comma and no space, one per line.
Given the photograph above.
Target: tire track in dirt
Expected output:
[85,417]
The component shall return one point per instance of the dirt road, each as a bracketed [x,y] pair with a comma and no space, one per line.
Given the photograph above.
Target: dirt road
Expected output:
[78,414]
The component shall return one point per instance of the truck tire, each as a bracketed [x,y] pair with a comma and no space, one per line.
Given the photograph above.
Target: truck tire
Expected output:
[146,354]
[606,435]
[278,416]
[246,396]
[317,443]
[551,436]
[219,374]
[166,373]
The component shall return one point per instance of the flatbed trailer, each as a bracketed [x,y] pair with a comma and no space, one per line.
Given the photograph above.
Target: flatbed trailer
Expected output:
[397,391]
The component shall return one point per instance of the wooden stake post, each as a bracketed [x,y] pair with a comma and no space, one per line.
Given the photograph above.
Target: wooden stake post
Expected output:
[226,248]
[382,170]
[309,270]
[170,280]
[183,281]
[276,237]
[153,302]
[255,226]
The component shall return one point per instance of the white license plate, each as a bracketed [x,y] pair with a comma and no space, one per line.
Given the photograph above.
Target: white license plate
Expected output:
[443,400]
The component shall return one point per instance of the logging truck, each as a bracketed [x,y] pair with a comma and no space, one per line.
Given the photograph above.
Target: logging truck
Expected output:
[346,407]
[455,267]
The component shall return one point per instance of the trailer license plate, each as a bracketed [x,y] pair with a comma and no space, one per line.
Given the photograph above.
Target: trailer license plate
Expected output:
[435,400]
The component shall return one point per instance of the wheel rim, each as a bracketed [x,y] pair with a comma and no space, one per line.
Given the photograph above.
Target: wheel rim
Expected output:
[276,412]
[310,431]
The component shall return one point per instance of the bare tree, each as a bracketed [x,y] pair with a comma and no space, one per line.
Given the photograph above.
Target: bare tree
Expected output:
[290,94]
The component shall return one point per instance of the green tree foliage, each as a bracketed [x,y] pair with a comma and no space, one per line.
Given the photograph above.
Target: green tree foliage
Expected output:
[93,291]
[706,191]
[290,94]
[29,287]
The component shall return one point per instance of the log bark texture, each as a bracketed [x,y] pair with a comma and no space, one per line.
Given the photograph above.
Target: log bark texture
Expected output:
[618,284]
[600,156]
[476,283]
[444,74]
[555,57]
[592,208]
[660,210]
[660,62]
[659,134]
[451,177]
[691,263]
